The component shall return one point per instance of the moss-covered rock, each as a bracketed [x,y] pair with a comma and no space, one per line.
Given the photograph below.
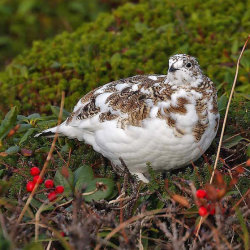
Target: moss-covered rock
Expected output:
[135,39]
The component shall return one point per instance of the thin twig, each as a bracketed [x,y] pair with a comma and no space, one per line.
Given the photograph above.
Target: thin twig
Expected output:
[37,218]
[49,245]
[46,162]
[227,110]
[241,199]
[230,173]
[38,213]
[129,221]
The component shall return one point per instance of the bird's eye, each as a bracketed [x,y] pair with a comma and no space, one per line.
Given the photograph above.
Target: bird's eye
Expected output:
[188,65]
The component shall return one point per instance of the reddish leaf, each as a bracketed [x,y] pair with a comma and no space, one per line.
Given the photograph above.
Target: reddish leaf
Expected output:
[240,170]
[248,163]
[3,154]
[65,172]
[181,199]
[26,152]
[219,179]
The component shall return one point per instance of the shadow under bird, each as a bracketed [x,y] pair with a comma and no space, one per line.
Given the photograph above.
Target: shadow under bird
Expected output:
[165,120]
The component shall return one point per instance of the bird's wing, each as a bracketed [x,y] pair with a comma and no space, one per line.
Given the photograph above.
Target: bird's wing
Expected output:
[128,100]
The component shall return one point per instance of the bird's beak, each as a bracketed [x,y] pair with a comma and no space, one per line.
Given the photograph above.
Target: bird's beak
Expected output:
[172,69]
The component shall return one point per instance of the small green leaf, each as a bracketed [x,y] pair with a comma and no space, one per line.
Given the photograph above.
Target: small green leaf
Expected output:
[22,118]
[34,116]
[12,150]
[24,127]
[37,203]
[61,180]
[83,175]
[103,193]
[8,122]
[27,135]
[230,142]
[222,103]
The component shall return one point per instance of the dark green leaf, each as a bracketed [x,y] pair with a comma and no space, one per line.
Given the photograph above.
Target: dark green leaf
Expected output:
[230,142]
[61,180]
[27,135]
[12,150]
[8,122]
[24,127]
[34,116]
[22,118]
[83,175]
[36,203]
[222,103]
[104,193]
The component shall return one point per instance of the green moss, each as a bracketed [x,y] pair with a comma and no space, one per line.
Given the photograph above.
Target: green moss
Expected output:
[136,38]
[24,21]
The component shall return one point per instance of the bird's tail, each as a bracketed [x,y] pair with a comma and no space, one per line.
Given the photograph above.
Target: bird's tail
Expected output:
[49,132]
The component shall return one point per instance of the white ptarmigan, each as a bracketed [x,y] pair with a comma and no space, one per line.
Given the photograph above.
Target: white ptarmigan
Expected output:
[165,120]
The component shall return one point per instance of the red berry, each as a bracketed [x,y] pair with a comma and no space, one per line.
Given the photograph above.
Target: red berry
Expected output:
[59,189]
[62,234]
[202,211]
[35,171]
[52,196]
[30,186]
[38,179]
[201,193]
[248,163]
[211,209]
[49,183]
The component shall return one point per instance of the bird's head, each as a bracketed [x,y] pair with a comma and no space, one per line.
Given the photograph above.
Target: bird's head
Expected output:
[183,70]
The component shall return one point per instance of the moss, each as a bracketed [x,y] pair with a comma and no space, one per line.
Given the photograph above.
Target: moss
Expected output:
[136,38]
[24,21]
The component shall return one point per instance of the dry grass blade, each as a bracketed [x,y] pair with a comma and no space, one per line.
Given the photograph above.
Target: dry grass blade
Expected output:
[38,213]
[227,109]
[129,221]
[45,164]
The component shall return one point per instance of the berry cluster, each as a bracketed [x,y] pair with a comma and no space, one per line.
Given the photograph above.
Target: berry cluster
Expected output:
[49,184]
[204,210]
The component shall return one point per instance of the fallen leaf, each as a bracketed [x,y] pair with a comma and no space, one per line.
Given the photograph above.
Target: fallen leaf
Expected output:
[181,199]
[3,154]
[26,152]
